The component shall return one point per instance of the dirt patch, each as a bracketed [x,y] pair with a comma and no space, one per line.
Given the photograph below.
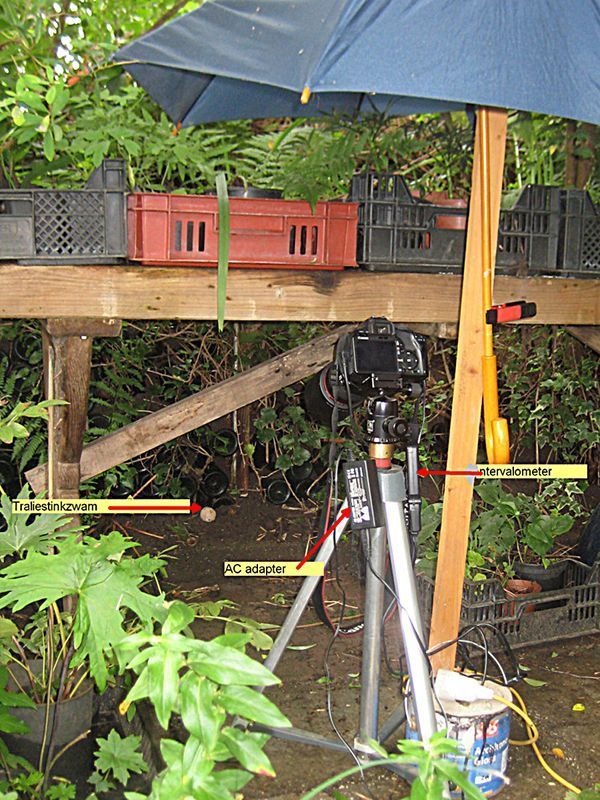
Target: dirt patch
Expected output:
[254,531]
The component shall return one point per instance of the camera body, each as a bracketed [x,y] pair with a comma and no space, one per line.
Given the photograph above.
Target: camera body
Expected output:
[380,356]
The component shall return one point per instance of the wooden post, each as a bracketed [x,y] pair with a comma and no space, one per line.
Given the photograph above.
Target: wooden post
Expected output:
[67,346]
[466,404]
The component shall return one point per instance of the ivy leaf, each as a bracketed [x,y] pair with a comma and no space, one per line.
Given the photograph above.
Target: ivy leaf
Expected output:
[119,756]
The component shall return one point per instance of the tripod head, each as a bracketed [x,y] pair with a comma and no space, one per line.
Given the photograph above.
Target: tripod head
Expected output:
[384,427]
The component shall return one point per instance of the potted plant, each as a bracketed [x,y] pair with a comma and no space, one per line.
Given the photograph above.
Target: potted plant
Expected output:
[56,655]
[520,532]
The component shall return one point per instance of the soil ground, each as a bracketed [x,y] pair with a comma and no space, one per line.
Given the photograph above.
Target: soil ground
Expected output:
[254,531]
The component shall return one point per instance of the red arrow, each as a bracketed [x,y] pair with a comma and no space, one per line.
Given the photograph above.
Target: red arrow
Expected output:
[425,472]
[344,514]
[193,508]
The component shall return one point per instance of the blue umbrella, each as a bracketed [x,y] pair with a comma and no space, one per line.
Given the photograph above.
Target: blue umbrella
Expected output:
[237,59]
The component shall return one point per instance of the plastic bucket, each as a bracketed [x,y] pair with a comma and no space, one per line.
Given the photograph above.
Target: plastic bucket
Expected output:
[482,730]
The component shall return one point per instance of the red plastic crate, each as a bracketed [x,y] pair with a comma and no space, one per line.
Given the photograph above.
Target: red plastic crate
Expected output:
[183,230]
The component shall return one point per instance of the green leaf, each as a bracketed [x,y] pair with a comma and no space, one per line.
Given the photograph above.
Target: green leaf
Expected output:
[256,636]
[243,746]
[18,117]
[179,616]
[228,666]
[119,757]
[535,682]
[233,779]
[249,704]
[454,774]
[223,254]
[200,712]
[10,724]
[24,533]
[163,682]
[49,148]
[8,629]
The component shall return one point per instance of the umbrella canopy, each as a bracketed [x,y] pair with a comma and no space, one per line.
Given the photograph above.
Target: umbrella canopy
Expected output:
[237,59]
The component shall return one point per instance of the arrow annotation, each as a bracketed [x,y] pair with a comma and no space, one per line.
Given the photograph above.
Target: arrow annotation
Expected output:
[192,508]
[425,472]
[344,514]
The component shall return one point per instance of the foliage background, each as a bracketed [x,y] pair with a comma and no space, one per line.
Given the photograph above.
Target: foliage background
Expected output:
[64,106]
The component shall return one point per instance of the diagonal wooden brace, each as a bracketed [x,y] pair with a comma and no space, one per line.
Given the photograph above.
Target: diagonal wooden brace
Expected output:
[222,398]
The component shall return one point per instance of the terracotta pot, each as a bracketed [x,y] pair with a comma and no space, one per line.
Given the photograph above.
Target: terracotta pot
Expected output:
[449,222]
[518,588]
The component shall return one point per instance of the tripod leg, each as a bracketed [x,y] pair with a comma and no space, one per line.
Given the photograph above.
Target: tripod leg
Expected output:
[302,598]
[371,655]
[393,495]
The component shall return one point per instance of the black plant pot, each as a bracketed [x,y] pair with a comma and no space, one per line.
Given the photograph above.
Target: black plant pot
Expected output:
[215,482]
[276,490]
[74,719]
[550,577]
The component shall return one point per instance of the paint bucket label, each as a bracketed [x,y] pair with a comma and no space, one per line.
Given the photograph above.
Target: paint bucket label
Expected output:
[484,741]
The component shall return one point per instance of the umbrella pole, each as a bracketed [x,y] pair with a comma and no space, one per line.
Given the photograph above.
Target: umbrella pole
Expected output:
[496,428]
[468,388]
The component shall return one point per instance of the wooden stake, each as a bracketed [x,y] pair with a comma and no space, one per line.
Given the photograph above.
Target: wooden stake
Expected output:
[466,403]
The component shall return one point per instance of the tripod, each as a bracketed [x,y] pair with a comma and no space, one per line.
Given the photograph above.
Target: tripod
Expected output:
[389,536]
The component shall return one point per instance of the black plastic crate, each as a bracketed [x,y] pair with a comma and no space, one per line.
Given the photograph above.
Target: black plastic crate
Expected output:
[535,618]
[397,232]
[579,243]
[528,232]
[70,226]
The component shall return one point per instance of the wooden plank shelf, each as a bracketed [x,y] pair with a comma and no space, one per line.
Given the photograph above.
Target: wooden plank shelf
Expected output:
[134,292]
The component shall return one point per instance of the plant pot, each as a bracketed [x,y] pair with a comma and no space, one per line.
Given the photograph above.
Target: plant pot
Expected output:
[549,578]
[518,588]
[74,719]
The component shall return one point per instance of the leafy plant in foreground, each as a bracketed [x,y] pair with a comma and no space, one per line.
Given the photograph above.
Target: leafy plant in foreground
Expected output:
[202,682]
[103,579]
[434,768]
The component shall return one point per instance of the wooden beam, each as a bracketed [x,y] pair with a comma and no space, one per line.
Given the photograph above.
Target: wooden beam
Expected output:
[200,408]
[466,404]
[133,292]
[587,335]
[83,326]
